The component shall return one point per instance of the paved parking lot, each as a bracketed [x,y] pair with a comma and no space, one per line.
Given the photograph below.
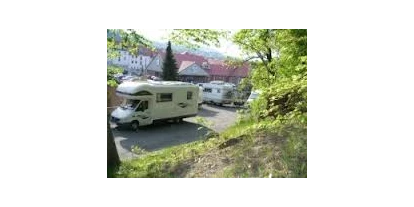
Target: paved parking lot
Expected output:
[158,136]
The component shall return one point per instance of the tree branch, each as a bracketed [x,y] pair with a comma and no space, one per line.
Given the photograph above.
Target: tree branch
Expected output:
[269,50]
[269,54]
[266,64]
[250,58]
[259,54]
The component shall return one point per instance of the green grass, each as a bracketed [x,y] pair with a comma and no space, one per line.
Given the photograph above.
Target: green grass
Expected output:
[243,127]
[163,163]
[272,149]
[265,150]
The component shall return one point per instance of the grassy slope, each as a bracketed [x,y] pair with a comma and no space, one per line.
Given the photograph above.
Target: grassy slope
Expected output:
[247,149]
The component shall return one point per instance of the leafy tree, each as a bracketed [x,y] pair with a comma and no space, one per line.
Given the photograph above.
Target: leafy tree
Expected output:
[119,40]
[193,38]
[280,70]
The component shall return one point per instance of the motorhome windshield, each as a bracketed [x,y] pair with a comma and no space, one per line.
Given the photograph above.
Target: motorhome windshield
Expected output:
[130,104]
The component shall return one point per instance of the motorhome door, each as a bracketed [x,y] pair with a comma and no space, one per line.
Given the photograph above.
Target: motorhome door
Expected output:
[143,113]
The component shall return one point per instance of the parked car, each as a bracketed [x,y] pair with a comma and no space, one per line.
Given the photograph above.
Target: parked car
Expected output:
[253,96]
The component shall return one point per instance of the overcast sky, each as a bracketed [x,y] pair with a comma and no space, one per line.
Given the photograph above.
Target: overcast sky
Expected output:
[227,47]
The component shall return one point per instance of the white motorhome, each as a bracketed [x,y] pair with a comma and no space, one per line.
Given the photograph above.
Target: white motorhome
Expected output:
[148,101]
[217,92]
[200,96]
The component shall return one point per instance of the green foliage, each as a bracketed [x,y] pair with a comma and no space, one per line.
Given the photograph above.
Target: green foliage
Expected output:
[169,68]
[138,150]
[163,163]
[256,42]
[193,38]
[243,126]
[203,121]
[294,148]
[111,71]
[273,131]
[288,96]
[245,85]
[282,107]
[281,73]
[130,40]
[119,39]
[258,107]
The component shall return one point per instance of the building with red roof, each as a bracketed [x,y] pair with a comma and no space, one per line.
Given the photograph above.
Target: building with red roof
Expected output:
[197,69]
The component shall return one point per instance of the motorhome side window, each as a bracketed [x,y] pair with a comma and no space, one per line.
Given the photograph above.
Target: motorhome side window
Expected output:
[189,95]
[164,97]
[208,90]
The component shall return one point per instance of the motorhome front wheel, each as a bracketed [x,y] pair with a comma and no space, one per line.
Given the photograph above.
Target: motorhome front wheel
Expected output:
[135,125]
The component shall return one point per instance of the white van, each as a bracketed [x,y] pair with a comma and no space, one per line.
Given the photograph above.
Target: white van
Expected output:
[253,96]
[148,101]
[217,92]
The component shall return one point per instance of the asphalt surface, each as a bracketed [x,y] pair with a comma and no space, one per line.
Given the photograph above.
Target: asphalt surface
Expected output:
[162,135]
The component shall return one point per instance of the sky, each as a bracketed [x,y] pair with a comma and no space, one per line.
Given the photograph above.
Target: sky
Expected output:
[227,47]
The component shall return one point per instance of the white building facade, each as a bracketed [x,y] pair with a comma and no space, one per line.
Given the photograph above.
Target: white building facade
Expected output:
[132,64]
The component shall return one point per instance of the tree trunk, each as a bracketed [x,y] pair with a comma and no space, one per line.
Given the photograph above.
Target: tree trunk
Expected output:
[112,157]
[112,154]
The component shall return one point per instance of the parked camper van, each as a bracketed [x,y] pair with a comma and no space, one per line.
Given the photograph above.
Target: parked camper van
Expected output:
[217,92]
[200,96]
[148,101]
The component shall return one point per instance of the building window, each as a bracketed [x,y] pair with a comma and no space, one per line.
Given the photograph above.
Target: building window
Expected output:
[208,90]
[119,59]
[164,97]
[132,61]
[189,95]
[218,91]
[135,61]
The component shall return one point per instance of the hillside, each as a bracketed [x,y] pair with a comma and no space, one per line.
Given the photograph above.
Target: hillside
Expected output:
[247,149]
[205,52]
